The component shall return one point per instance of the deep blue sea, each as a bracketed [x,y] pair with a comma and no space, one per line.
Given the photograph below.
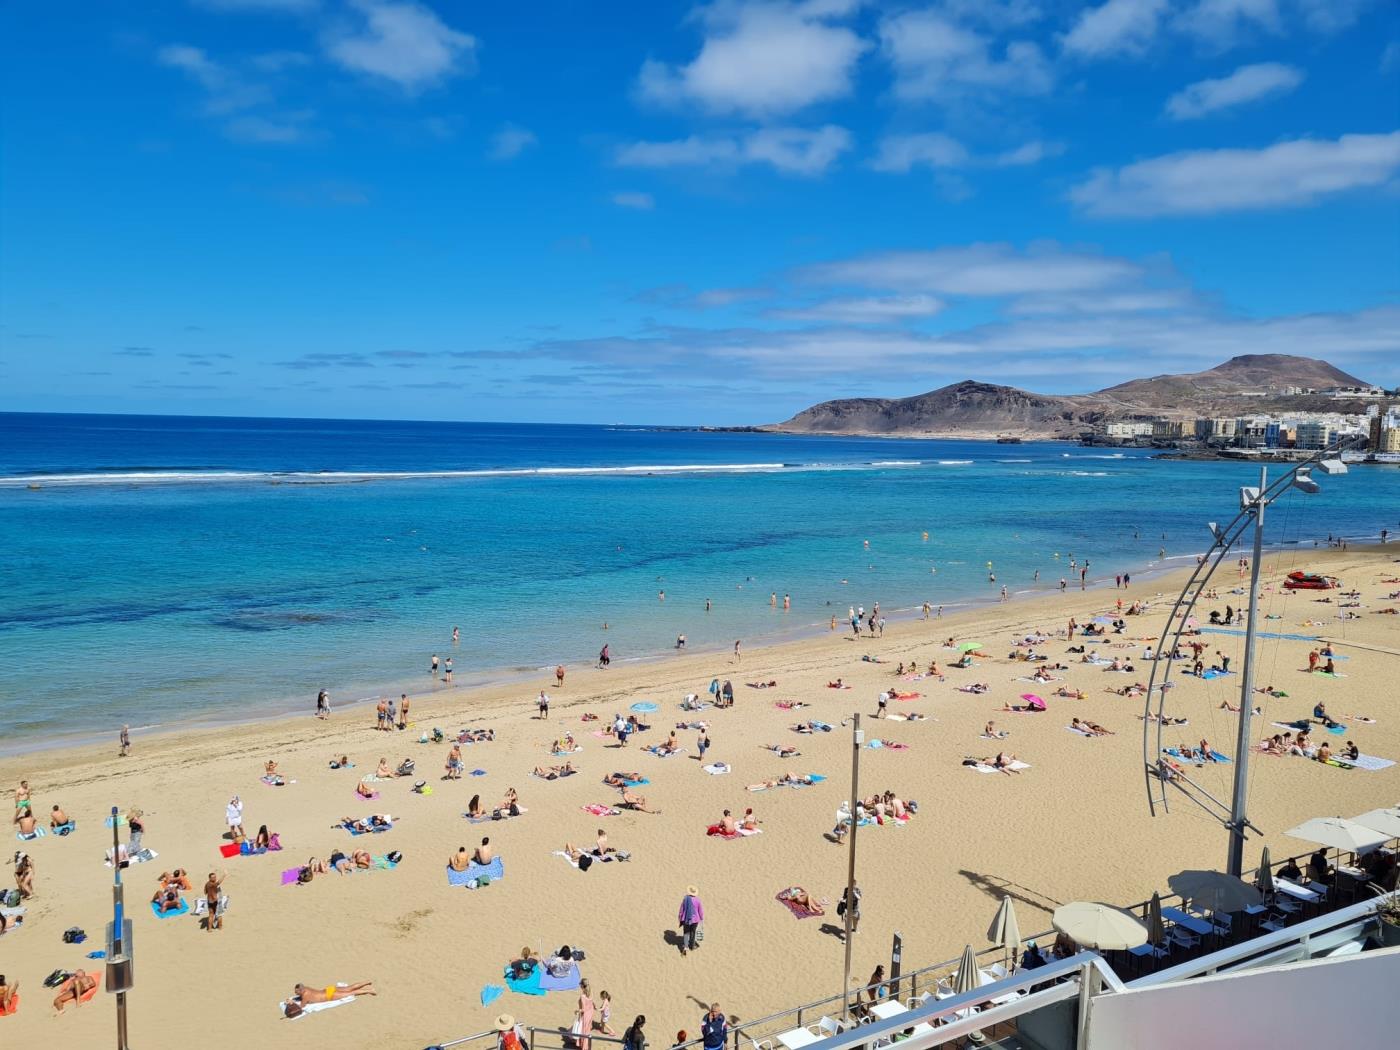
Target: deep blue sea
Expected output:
[164,569]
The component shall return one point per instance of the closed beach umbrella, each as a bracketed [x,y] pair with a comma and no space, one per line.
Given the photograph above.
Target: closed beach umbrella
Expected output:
[1386,821]
[1338,833]
[1264,877]
[1035,701]
[1095,925]
[1156,932]
[968,977]
[1222,892]
[969,647]
[1005,931]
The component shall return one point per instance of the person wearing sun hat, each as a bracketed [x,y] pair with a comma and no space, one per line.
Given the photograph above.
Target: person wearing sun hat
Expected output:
[507,1036]
[691,915]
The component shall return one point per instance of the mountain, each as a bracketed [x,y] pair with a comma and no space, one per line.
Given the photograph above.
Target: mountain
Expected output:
[1246,384]
[1269,373]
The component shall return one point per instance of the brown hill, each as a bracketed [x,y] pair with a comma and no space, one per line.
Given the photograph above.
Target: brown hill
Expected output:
[1245,384]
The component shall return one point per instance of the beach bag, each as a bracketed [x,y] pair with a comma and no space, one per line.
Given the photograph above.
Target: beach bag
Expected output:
[74,935]
[274,842]
[394,857]
[699,933]
[585,862]
[10,898]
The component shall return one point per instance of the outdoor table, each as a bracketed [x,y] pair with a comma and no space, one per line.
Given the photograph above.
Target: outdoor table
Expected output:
[1294,890]
[1190,922]
[797,1038]
[889,1008]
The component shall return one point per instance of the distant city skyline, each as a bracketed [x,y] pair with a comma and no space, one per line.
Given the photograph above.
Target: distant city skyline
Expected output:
[691,214]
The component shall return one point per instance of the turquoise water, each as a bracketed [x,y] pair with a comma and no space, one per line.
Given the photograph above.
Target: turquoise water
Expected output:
[171,569]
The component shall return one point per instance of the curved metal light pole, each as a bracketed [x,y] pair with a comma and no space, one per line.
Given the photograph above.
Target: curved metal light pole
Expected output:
[1157,773]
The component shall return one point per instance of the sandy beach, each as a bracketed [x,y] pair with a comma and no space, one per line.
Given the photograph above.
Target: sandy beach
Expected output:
[1075,825]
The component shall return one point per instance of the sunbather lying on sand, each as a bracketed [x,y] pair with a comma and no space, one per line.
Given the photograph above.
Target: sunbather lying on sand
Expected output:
[637,802]
[618,780]
[802,900]
[783,750]
[303,995]
[762,685]
[364,790]
[1092,728]
[976,687]
[785,779]
[555,772]
[1072,694]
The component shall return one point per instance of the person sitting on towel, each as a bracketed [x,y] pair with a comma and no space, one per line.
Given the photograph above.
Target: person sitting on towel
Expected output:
[461,860]
[1351,751]
[484,853]
[560,963]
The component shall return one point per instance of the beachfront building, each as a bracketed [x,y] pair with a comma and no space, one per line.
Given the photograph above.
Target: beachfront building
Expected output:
[1217,430]
[1171,429]
[1314,435]
[1384,428]
[1127,430]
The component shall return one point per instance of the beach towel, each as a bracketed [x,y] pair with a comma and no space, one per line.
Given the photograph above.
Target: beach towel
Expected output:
[273,782]
[527,985]
[907,696]
[1081,732]
[491,992]
[495,871]
[797,911]
[367,798]
[982,767]
[567,983]
[716,769]
[572,751]
[1367,762]
[1212,674]
[372,831]
[1176,753]
[600,810]
[1329,674]
[66,829]
[141,857]
[636,783]
[121,822]
[657,750]
[37,833]
[229,849]
[311,1008]
[183,909]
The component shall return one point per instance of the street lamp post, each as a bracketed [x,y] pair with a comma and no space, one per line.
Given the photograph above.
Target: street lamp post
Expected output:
[857,741]
[119,947]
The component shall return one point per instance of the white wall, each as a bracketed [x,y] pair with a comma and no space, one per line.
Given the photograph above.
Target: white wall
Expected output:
[1347,1001]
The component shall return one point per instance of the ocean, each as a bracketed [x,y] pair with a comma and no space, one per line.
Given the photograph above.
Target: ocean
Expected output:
[161,570]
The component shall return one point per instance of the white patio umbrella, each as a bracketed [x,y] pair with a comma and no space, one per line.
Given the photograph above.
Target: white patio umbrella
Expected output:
[1005,931]
[1338,833]
[1215,889]
[1264,877]
[968,978]
[1095,925]
[1386,821]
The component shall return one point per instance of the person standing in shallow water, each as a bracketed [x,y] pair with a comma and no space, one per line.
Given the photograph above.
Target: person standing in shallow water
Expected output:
[125,741]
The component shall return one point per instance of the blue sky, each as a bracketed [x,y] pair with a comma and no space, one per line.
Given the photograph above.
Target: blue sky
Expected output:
[669,213]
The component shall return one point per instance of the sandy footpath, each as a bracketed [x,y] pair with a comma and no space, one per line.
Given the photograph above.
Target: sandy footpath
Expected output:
[1073,826]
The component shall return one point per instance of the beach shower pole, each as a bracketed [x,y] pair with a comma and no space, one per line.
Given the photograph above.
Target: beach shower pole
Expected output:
[1239,817]
[857,739]
[118,938]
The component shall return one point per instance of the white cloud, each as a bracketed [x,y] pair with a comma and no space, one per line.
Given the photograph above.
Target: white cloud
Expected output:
[1220,23]
[511,141]
[993,270]
[637,201]
[1246,84]
[1390,57]
[279,130]
[932,149]
[935,58]
[761,59]
[1199,182]
[793,151]
[227,91]
[1118,27]
[284,6]
[869,310]
[1124,301]
[1332,16]
[279,61]
[403,42]
[1028,153]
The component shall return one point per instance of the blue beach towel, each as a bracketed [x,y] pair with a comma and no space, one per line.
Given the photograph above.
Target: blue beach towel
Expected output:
[636,783]
[477,773]
[1176,753]
[183,909]
[527,985]
[567,983]
[495,871]
[490,993]
[1212,675]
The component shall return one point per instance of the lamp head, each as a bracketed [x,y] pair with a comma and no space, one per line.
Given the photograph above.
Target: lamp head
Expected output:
[1303,481]
[1332,466]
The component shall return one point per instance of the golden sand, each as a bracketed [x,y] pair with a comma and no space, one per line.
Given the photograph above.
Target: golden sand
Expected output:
[1073,826]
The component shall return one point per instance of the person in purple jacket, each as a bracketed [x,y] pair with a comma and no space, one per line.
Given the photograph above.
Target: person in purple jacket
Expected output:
[692,914]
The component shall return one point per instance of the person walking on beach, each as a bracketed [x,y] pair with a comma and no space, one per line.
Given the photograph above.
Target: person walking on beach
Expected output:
[323,707]
[702,744]
[403,710]
[634,1038]
[215,919]
[124,740]
[559,677]
[543,704]
[737,655]
[689,918]
[583,1015]
[604,656]
[850,901]
[714,1029]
